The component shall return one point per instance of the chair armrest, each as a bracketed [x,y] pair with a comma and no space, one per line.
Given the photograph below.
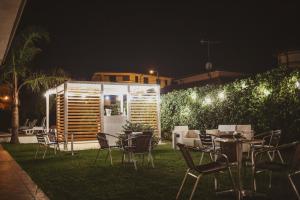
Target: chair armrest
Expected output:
[262,135]
[111,135]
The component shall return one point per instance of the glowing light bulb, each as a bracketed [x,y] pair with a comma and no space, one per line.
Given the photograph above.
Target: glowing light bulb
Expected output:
[298,84]
[193,95]
[207,100]
[221,95]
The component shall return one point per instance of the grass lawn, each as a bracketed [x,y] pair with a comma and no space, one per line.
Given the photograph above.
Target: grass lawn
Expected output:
[66,177]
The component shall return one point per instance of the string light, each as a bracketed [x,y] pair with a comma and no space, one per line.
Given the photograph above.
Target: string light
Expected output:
[297,84]
[207,101]
[194,96]
[221,95]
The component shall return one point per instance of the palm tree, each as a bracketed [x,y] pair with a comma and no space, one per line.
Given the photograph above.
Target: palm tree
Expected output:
[17,72]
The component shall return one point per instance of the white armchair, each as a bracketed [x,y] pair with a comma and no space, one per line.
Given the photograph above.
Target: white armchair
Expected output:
[190,136]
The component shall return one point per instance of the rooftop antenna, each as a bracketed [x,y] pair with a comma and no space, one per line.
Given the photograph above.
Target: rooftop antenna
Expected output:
[208,64]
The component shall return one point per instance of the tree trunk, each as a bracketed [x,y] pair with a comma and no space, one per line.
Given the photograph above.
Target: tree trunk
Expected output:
[15,122]
[15,112]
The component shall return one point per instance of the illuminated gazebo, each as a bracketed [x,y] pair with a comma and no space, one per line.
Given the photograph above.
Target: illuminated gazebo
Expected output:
[85,108]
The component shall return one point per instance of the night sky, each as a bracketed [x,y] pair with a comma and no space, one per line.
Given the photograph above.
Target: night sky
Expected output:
[90,36]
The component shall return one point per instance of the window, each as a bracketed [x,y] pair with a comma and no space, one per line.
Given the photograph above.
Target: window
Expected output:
[158,81]
[125,78]
[146,80]
[136,79]
[112,78]
[166,82]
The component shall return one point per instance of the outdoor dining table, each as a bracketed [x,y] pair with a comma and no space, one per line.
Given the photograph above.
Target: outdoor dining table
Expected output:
[239,141]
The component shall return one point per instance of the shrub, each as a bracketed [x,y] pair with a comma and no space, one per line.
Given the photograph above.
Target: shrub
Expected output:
[270,100]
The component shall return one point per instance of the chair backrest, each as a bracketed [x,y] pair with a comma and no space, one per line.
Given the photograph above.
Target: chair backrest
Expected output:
[141,143]
[186,155]
[26,122]
[275,138]
[41,138]
[43,122]
[229,148]
[295,162]
[33,123]
[206,140]
[103,142]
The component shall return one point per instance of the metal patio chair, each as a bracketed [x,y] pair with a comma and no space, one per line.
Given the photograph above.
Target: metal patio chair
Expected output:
[271,139]
[104,145]
[45,142]
[196,171]
[290,168]
[206,146]
[138,145]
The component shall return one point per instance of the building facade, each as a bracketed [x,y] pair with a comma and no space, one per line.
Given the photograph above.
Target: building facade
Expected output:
[214,77]
[289,58]
[121,77]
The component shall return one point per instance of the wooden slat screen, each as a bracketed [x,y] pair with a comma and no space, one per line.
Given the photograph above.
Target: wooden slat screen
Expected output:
[143,108]
[60,115]
[84,112]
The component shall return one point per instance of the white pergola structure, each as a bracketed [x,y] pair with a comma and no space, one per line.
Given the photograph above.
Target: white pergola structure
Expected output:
[80,108]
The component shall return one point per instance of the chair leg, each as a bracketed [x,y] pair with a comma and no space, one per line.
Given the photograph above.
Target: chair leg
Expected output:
[123,157]
[150,158]
[231,178]
[111,161]
[134,161]
[270,179]
[37,151]
[182,183]
[195,186]
[106,156]
[280,156]
[46,147]
[97,156]
[294,186]
[254,179]
[202,155]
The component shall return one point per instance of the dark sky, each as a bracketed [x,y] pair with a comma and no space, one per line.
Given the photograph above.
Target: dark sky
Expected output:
[90,36]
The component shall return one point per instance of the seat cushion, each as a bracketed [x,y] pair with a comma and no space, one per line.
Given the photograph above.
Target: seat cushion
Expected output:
[211,167]
[273,166]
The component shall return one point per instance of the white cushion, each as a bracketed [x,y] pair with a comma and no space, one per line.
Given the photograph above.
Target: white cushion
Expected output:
[227,128]
[180,128]
[212,131]
[245,128]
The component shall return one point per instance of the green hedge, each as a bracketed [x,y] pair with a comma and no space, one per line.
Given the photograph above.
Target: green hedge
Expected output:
[266,101]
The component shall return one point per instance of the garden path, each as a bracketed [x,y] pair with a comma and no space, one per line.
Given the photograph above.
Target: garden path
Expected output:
[15,184]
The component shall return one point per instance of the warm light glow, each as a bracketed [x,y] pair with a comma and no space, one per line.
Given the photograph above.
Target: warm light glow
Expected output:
[243,85]
[207,101]
[221,95]
[298,84]
[151,71]
[194,96]
[6,98]
[266,92]
[186,111]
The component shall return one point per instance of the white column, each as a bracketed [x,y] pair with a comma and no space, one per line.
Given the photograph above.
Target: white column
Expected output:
[120,97]
[47,112]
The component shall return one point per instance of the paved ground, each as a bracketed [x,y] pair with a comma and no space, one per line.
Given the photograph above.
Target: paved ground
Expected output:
[15,184]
